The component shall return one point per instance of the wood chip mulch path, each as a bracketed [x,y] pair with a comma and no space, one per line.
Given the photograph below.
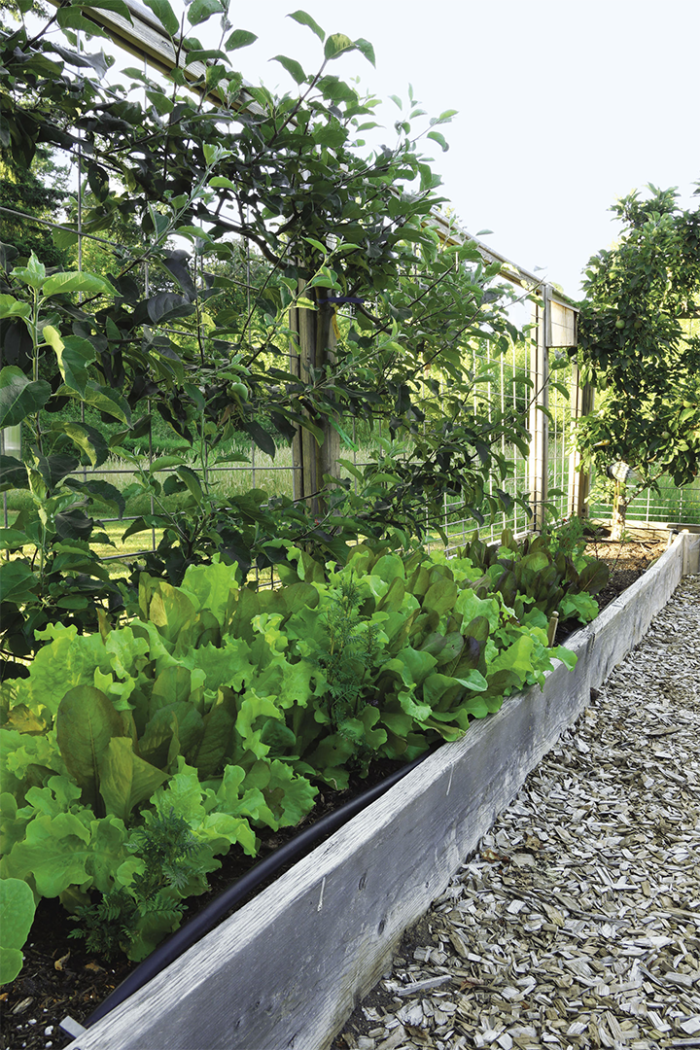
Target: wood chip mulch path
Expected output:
[577,921]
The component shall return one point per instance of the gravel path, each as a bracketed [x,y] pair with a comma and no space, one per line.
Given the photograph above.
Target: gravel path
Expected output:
[577,921]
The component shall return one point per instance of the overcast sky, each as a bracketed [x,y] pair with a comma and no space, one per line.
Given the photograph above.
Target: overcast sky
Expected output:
[563,106]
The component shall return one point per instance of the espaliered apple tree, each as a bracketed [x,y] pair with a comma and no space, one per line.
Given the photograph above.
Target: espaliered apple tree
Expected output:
[639,340]
[208,163]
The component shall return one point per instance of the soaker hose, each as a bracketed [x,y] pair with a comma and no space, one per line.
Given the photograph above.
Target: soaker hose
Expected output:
[200,924]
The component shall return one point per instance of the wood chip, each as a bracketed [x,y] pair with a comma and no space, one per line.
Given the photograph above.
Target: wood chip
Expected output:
[577,920]
[420,986]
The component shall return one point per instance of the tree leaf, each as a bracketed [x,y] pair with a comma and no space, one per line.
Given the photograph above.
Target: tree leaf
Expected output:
[293,68]
[33,274]
[71,18]
[218,182]
[164,462]
[440,139]
[337,44]
[73,355]
[75,281]
[163,104]
[366,49]
[200,10]
[190,479]
[240,38]
[12,539]
[11,307]
[19,397]
[261,437]
[17,582]
[176,263]
[118,6]
[165,15]
[88,439]
[332,135]
[84,61]
[306,20]
[13,473]
[107,400]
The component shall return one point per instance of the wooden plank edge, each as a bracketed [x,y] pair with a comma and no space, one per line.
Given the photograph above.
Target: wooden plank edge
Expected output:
[325,930]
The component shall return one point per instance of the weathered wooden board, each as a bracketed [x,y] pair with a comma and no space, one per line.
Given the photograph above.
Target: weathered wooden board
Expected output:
[285,971]
[562,325]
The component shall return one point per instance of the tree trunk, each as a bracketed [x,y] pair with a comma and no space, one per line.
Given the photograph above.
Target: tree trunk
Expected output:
[619,513]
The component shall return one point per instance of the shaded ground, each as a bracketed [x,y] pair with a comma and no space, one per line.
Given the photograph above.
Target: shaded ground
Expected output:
[60,978]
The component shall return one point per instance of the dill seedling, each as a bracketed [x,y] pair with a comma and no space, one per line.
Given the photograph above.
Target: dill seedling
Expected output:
[352,646]
[168,849]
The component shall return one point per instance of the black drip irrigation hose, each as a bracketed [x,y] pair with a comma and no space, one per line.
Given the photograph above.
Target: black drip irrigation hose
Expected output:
[201,924]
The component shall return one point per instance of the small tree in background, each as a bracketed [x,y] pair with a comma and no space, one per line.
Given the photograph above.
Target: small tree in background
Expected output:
[639,342]
[39,190]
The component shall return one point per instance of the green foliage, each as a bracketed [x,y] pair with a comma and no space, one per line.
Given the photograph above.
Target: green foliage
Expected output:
[17,908]
[135,756]
[40,191]
[638,344]
[550,570]
[202,338]
[350,648]
[211,714]
[132,920]
[59,578]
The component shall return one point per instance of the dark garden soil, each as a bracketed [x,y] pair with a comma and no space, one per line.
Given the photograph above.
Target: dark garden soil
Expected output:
[61,978]
[627,560]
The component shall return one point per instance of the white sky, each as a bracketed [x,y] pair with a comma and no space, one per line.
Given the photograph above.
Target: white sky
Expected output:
[563,106]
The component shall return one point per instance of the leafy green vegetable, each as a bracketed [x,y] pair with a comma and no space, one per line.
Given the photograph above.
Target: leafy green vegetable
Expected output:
[218,708]
[17,908]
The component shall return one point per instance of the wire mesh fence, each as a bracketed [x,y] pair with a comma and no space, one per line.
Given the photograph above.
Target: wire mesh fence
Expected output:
[509,384]
[670,506]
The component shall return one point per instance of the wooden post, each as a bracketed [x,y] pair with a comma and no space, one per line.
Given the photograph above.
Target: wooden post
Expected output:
[538,463]
[315,343]
[582,399]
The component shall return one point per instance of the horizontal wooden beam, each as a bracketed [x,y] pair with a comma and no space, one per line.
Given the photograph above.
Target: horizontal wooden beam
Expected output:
[145,38]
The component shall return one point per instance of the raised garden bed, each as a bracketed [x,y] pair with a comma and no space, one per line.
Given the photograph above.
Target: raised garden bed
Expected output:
[286,970]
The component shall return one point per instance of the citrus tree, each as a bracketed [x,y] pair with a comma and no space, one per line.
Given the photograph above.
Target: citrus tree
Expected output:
[639,342]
